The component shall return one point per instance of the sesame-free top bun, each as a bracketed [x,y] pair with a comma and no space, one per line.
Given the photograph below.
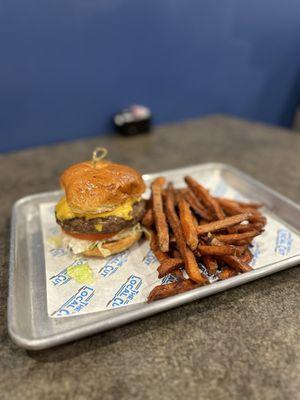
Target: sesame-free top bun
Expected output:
[100,187]
[116,246]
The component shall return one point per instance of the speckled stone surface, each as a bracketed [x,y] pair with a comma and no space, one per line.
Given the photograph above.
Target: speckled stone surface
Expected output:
[240,344]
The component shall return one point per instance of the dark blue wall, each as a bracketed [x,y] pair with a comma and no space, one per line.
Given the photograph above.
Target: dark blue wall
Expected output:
[67,65]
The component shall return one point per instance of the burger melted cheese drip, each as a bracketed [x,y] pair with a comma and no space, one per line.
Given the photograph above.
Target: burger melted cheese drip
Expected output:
[63,211]
[100,212]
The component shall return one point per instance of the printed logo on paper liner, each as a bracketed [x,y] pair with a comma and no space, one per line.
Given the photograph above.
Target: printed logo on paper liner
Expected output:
[65,275]
[58,252]
[284,242]
[150,258]
[76,303]
[127,292]
[255,250]
[55,242]
[168,279]
[113,264]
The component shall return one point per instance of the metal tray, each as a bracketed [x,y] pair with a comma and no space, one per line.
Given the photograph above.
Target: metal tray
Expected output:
[28,323]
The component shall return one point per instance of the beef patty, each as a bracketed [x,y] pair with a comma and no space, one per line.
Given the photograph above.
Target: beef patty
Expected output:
[109,224]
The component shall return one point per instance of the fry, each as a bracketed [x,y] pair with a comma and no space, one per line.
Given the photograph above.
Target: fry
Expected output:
[148,220]
[227,273]
[205,197]
[210,264]
[233,208]
[246,257]
[249,205]
[190,263]
[183,191]
[197,206]
[240,250]
[236,264]
[187,223]
[195,221]
[234,238]
[217,208]
[244,242]
[168,265]
[176,254]
[216,250]
[239,203]
[177,197]
[159,215]
[240,228]
[192,267]
[155,248]
[170,289]
[257,218]
[224,223]
[178,274]
[232,261]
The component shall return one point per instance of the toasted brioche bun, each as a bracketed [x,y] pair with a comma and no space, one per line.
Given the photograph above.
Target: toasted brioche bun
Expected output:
[101,187]
[115,247]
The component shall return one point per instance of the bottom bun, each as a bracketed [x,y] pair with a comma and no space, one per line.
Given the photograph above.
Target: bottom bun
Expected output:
[115,246]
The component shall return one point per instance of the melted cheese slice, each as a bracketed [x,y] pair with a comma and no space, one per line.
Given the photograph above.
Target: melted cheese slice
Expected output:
[124,211]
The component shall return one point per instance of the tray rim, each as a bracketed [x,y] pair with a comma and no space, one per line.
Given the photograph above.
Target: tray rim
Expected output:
[148,309]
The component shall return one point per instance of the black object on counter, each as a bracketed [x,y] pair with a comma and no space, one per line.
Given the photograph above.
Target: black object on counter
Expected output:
[133,121]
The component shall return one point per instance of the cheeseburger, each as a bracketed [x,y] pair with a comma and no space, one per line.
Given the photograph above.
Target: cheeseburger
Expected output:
[100,212]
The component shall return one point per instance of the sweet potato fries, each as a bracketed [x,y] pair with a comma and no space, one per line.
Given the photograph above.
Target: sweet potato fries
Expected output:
[196,236]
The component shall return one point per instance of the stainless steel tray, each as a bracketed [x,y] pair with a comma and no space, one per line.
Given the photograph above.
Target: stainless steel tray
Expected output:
[28,323]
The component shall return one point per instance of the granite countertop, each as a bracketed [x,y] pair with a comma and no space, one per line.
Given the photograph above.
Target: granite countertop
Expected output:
[239,344]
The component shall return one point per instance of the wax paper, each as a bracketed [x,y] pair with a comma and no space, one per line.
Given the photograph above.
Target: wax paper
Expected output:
[78,285]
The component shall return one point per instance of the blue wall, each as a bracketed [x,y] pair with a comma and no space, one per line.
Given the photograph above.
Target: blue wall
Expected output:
[67,65]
